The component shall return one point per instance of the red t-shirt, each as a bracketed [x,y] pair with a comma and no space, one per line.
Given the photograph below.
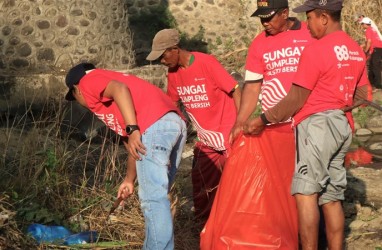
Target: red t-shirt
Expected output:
[275,59]
[371,34]
[204,89]
[331,68]
[150,102]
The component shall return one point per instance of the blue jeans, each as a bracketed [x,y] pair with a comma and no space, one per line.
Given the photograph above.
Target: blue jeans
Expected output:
[164,141]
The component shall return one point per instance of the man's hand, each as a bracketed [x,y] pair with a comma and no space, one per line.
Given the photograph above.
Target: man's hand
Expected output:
[254,126]
[135,145]
[125,189]
[235,131]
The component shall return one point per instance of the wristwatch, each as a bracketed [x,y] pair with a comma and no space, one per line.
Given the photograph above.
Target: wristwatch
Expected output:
[131,128]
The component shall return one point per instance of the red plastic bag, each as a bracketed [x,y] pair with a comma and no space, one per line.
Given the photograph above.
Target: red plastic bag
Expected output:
[253,207]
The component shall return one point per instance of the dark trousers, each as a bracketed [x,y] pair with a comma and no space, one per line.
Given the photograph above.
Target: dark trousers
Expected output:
[206,172]
[375,68]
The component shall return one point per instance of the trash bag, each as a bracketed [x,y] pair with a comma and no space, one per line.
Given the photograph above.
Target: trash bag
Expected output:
[253,207]
[358,157]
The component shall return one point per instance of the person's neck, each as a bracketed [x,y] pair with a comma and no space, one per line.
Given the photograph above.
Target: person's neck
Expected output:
[333,28]
[289,24]
[184,59]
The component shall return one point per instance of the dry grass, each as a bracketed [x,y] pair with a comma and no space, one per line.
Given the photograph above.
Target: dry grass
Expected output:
[49,178]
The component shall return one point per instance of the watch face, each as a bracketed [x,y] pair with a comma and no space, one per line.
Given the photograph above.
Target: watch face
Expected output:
[131,128]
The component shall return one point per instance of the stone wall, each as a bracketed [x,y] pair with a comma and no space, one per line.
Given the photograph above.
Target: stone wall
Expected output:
[41,39]
[46,36]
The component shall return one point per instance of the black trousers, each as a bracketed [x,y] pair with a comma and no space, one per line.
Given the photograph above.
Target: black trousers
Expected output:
[375,68]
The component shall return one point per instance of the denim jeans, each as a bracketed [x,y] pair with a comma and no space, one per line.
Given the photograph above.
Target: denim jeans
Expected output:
[164,141]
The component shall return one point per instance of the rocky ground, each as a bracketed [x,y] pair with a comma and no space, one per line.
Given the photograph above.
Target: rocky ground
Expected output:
[363,207]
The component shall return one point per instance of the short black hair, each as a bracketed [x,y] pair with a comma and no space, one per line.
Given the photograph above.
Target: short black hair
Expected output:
[334,14]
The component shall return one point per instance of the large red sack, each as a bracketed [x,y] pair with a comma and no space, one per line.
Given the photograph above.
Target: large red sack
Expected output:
[253,207]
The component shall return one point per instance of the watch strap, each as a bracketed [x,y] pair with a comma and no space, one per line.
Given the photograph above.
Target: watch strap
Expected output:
[131,128]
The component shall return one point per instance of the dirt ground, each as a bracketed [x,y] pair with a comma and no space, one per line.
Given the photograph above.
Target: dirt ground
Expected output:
[363,208]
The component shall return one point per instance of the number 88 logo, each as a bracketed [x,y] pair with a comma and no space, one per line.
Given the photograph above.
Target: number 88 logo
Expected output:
[341,52]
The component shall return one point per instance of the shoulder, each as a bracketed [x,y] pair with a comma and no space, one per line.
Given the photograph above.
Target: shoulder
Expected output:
[258,42]
[260,37]
[203,56]
[206,59]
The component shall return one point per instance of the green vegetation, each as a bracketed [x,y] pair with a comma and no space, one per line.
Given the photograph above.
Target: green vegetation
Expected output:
[196,42]
[363,114]
[159,17]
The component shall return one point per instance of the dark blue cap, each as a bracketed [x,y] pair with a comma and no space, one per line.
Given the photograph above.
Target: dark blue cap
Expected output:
[74,76]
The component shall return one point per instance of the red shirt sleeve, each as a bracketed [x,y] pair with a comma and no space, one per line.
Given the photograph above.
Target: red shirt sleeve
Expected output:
[308,71]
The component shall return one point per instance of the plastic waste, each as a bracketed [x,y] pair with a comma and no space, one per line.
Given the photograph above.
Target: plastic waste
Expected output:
[60,235]
[81,238]
[51,234]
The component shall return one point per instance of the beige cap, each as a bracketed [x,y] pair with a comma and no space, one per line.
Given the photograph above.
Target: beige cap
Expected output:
[163,40]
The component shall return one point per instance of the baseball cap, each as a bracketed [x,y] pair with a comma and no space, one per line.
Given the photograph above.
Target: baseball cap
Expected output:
[267,8]
[74,76]
[163,40]
[309,5]
[366,20]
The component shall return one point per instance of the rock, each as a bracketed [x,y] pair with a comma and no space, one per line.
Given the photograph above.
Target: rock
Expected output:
[357,224]
[363,132]
[366,211]
[376,146]
[375,124]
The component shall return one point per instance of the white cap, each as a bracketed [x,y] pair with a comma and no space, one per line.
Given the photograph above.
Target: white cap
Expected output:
[366,20]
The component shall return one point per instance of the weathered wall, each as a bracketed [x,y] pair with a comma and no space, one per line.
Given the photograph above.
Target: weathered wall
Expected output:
[41,39]
[46,36]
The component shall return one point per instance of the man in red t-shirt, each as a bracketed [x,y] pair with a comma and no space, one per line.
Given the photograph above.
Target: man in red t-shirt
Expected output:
[211,98]
[152,131]
[331,74]
[271,63]
[373,47]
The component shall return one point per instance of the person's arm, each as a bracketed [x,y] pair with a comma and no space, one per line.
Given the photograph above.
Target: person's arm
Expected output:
[289,105]
[367,46]
[248,103]
[282,111]
[361,93]
[127,186]
[121,95]
[236,95]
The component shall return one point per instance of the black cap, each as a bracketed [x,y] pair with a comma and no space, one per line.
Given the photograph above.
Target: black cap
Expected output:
[309,5]
[74,76]
[267,8]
